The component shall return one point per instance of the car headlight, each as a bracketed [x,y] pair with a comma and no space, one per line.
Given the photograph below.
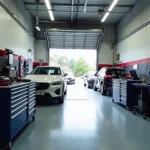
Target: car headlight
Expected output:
[57,83]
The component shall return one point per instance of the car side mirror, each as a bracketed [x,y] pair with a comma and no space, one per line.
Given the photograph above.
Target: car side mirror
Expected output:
[86,76]
[95,74]
[65,74]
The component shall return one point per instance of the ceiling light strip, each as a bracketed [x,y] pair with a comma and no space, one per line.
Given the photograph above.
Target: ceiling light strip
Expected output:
[48,5]
[110,9]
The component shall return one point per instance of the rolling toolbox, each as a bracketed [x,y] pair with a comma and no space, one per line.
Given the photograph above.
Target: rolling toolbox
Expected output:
[123,92]
[116,90]
[17,108]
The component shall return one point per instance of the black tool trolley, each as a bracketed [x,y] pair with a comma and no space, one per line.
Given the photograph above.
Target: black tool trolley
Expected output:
[142,97]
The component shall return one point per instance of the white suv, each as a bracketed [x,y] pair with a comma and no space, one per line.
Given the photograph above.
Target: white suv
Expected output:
[51,83]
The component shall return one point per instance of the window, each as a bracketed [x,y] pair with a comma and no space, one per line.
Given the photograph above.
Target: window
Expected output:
[100,72]
[117,72]
[46,71]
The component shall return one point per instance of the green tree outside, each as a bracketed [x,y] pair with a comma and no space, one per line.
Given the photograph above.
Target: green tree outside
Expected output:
[71,63]
[81,67]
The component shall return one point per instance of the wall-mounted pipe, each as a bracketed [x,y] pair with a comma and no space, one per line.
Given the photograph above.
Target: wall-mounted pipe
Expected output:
[14,17]
[135,31]
[67,11]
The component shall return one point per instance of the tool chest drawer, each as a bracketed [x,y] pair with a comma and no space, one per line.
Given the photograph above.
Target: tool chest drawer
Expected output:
[17,108]
[32,100]
[116,90]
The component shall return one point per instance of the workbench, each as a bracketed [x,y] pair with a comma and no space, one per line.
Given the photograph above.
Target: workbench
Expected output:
[17,108]
[141,95]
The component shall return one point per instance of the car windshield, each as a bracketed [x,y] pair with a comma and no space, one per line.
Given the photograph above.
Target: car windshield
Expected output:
[46,71]
[117,72]
[90,75]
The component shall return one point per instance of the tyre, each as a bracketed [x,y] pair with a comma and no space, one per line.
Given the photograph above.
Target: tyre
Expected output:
[127,108]
[61,100]
[144,116]
[133,112]
[113,100]
[65,92]
[33,118]
[103,92]
[94,86]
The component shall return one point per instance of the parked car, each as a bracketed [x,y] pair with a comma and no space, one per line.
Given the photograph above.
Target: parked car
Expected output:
[88,80]
[70,78]
[51,82]
[103,80]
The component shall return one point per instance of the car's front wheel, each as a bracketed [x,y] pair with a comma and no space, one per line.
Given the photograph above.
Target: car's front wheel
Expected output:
[102,90]
[94,86]
[61,100]
[65,92]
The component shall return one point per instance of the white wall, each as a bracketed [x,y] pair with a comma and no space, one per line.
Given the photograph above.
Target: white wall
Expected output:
[40,50]
[105,54]
[136,45]
[12,35]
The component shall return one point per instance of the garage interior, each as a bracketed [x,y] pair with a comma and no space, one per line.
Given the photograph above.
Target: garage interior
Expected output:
[86,120]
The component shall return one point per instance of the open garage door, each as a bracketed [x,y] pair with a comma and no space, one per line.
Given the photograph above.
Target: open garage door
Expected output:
[73,39]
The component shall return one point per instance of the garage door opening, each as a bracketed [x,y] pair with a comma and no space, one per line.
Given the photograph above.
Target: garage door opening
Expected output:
[71,60]
[76,63]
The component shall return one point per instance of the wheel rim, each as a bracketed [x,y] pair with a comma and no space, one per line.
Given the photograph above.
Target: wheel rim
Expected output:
[101,89]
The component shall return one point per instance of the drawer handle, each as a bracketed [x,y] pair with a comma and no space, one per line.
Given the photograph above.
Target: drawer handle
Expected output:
[19,91]
[31,103]
[19,95]
[32,95]
[32,92]
[19,107]
[19,103]
[32,86]
[32,106]
[19,99]
[32,99]
[18,113]
[31,111]
[13,89]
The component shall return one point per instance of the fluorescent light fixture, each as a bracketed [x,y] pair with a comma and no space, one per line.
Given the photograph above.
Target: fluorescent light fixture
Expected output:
[110,9]
[38,28]
[51,15]
[48,5]
[85,6]
[113,5]
[105,16]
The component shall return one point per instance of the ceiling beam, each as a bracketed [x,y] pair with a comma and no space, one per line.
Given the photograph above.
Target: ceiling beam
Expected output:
[77,11]
[76,5]
[72,3]
[85,41]
[99,41]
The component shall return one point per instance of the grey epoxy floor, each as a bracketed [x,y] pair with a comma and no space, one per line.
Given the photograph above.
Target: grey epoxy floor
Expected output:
[86,121]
